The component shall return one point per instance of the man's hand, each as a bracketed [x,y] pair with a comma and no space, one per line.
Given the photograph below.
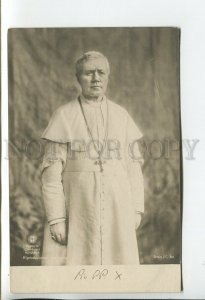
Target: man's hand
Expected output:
[59,232]
[138,219]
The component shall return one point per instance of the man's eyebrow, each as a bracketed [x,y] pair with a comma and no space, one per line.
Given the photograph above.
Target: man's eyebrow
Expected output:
[101,70]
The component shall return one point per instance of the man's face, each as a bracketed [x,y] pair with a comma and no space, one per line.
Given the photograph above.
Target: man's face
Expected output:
[94,78]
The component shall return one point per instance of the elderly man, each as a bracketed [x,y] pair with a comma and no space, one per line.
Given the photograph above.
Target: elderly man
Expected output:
[92,182]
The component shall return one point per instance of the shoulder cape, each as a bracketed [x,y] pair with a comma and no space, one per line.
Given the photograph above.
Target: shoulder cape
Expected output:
[67,124]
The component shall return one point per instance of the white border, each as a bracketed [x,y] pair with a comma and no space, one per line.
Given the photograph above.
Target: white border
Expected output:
[189,16]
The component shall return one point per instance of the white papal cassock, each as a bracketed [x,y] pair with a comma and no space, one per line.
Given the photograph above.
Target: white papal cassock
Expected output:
[100,206]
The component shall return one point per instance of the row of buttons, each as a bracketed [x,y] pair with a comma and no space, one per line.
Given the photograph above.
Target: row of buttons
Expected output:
[102,208]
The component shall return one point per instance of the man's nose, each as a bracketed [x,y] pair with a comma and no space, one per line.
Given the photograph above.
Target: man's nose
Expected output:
[96,76]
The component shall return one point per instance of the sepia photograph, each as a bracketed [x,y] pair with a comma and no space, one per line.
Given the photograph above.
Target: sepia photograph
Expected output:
[94,149]
[102,149]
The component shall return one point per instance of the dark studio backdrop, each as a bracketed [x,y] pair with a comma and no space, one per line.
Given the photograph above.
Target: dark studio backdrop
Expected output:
[144,79]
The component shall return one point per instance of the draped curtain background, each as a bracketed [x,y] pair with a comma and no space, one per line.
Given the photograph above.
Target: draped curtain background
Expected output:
[144,79]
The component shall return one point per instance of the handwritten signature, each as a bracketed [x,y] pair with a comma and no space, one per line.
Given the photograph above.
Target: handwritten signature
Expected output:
[97,274]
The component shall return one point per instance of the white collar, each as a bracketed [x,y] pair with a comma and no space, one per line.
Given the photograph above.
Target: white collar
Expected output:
[93,103]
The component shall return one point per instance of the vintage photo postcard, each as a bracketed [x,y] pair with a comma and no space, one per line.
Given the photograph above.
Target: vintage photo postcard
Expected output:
[95,169]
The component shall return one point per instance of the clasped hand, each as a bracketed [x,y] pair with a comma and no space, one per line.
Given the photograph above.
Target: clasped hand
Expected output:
[59,232]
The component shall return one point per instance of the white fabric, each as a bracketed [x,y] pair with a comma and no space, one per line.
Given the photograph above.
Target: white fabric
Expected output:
[100,206]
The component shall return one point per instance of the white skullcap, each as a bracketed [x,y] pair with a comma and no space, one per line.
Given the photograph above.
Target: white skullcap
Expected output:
[90,55]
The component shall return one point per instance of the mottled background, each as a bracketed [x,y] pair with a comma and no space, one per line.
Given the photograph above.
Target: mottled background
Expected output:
[144,79]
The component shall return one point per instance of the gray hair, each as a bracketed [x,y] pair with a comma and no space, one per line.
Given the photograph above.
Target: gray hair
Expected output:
[89,55]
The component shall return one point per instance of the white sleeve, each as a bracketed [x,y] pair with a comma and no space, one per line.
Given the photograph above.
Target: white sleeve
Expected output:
[52,188]
[56,221]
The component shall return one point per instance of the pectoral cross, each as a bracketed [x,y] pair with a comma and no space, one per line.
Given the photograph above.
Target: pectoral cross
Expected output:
[100,163]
